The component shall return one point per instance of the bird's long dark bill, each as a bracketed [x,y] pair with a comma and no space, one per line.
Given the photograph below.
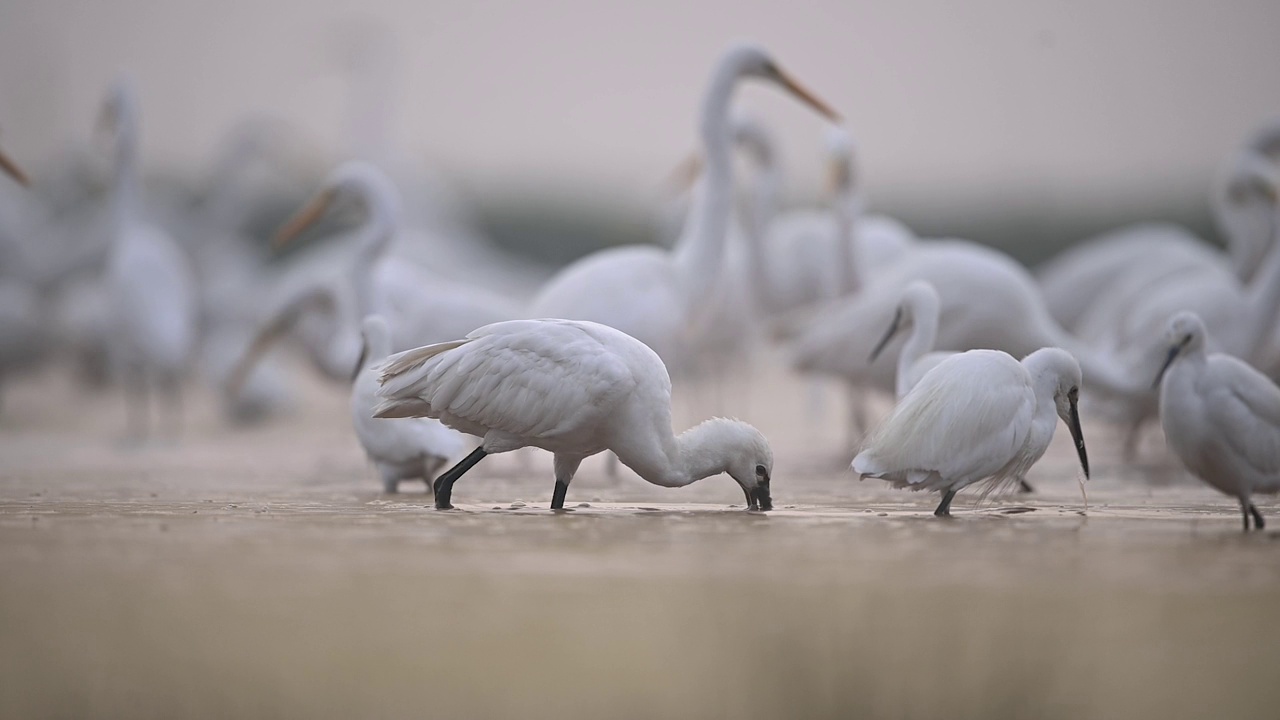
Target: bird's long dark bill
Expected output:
[1168,360]
[893,330]
[758,498]
[1077,436]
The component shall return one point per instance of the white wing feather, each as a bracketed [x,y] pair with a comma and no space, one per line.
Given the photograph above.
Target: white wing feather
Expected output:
[964,421]
[529,378]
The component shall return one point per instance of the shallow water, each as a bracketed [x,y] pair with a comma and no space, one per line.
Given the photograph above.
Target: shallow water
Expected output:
[261,573]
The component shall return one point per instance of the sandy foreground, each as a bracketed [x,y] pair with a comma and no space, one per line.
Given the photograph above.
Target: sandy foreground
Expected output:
[261,573]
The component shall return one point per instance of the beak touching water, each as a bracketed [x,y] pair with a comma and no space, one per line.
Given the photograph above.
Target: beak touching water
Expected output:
[1077,436]
[805,96]
[893,330]
[758,497]
[304,219]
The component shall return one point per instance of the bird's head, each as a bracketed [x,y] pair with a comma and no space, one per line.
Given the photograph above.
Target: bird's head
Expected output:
[750,60]
[356,186]
[1184,333]
[749,460]
[1059,368]
[919,299]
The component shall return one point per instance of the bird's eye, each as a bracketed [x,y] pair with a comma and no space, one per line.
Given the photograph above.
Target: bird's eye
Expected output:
[1186,338]
[760,470]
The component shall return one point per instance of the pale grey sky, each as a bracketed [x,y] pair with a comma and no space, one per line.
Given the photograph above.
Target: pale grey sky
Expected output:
[1085,98]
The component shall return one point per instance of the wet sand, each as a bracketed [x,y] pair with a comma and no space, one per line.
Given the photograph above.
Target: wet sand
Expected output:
[261,572]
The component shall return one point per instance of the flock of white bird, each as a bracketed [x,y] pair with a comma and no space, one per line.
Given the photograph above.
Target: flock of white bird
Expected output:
[982,356]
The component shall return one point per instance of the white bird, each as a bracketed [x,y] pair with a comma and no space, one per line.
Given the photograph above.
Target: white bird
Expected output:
[1220,416]
[1242,314]
[805,257]
[575,389]
[419,307]
[988,301]
[1101,276]
[150,288]
[648,292]
[918,312]
[979,415]
[22,333]
[401,449]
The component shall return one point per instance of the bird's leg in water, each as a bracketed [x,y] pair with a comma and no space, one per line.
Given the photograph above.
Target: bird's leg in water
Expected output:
[444,483]
[566,467]
[430,466]
[1024,486]
[944,507]
[1258,522]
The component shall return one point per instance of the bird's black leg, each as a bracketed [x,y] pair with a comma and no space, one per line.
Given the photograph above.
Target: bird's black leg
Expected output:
[1024,486]
[557,498]
[444,484]
[1258,522]
[944,507]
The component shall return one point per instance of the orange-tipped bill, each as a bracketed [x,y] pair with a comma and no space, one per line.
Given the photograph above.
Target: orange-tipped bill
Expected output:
[305,218]
[807,97]
[11,168]
[683,176]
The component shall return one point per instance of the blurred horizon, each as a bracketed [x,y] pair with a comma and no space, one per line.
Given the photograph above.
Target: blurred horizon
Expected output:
[1107,109]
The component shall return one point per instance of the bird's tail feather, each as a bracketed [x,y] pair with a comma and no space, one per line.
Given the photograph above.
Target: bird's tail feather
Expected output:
[402,408]
[401,363]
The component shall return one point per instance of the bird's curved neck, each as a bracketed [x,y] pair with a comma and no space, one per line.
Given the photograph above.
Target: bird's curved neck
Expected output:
[924,335]
[760,213]
[678,460]
[1100,372]
[1263,293]
[846,209]
[372,240]
[125,181]
[701,244]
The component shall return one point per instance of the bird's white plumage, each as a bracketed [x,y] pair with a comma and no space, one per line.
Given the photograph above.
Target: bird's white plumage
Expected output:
[963,422]
[658,296]
[979,415]
[575,388]
[1220,415]
[542,380]
[402,449]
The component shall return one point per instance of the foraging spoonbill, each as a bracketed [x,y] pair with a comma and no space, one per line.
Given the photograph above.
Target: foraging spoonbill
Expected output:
[979,415]
[1220,416]
[573,388]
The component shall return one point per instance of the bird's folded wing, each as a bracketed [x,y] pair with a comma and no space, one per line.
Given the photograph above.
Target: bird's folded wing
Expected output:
[528,378]
[1248,413]
[951,426]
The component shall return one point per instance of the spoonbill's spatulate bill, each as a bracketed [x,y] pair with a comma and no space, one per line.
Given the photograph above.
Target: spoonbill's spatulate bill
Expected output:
[411,449]
[574,388]
[979,415]
[1220,416]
